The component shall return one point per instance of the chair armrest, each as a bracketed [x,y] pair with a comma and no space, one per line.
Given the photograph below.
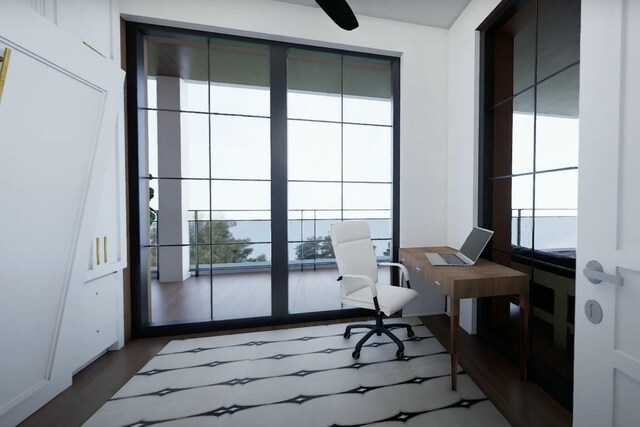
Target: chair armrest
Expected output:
[403,269]
[367,279]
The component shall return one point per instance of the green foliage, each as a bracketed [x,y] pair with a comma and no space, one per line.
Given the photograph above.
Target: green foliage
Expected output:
[225,249]
[152,212]
[315,249]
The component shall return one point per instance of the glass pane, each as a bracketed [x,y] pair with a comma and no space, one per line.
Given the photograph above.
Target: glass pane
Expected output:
[523,123]
[382,249]
[310,196]
[255,277]
[314,82]
[176,294]
[514,46]
[152,262]
[240,215]
[196,258]
[558,35]
[178,144]
[205,232]
[557,123]
[194,146]
[239,78]
[195,195]
[240,147]
[315,223]
[152,142]
[368,153]
[367,196]
[241,195]
[232,254]
[181,73]
[556,211]
[149,189]
[513,123]
[524,47]
[225,231]
[380,228]
[314,151]
[152,94]
[501,216]
[314,290]
[512,214]
[317,249]
[175,204]
[368,214]
[193,96]
[367,91]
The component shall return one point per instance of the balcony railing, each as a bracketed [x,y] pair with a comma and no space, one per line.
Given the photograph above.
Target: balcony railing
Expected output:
[555,229]
[309,244]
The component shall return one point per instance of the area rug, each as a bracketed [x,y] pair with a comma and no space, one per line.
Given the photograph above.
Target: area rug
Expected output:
[299,377]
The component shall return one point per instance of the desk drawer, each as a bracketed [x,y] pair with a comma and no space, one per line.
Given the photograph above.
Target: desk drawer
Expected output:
[95,293]
[430,299]
[406,260]
[94,332]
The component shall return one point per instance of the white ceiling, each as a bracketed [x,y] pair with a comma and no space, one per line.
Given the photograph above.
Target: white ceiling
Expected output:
[433,13]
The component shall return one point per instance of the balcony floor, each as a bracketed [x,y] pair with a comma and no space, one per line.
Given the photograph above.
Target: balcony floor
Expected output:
[244,294]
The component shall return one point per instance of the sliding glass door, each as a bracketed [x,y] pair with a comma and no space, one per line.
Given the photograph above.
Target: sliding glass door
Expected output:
[206,167]
[340,146]
[208,139]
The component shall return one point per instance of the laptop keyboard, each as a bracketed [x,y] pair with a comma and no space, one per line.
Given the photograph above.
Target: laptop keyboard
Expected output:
[452,259]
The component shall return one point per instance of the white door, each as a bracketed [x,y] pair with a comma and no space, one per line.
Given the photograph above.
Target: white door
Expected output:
[607,354]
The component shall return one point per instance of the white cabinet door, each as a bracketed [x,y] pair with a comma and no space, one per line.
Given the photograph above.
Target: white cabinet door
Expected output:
[105,250]
[607,354]
[58,108]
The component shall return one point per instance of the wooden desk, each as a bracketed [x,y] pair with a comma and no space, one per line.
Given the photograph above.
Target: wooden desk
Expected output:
[484,279]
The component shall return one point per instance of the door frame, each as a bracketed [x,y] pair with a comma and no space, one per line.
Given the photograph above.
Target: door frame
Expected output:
[137,206]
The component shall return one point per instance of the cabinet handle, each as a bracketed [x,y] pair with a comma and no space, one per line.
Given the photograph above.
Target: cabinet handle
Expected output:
[437,283]
[418,269]
[97,251]
[4,66]
[105,249]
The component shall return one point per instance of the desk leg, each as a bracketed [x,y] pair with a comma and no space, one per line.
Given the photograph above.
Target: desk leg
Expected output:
[524,335]
[454,315]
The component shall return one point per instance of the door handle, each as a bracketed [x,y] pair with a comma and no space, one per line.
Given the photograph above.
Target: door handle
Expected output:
[595,274]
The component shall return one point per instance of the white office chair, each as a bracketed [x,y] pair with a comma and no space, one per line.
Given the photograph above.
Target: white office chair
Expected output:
[358,269]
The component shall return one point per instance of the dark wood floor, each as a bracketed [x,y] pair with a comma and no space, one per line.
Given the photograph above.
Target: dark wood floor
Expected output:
[522,404]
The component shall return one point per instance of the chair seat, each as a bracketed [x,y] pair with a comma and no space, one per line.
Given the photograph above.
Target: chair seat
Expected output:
[390,298]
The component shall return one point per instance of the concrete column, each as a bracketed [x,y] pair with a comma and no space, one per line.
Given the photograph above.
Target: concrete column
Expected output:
[173,226]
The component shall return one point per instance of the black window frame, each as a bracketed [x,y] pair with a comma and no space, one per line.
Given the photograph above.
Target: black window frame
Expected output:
[137,206]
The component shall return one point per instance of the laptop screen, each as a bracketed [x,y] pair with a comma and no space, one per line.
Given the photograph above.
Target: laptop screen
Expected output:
[475,243]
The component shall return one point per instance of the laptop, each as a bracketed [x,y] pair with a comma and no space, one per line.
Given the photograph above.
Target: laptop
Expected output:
[468,254]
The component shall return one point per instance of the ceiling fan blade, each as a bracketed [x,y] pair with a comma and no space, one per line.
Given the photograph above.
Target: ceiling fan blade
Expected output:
[340,12]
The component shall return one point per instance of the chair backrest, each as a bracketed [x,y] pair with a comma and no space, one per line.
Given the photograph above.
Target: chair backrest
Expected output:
[353,248]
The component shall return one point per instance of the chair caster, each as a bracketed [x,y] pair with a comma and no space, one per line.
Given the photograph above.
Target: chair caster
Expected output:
[355,354]
[400,354]
[346,334]
[410,333]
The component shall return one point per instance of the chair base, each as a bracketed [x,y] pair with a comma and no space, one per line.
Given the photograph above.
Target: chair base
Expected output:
[379,328]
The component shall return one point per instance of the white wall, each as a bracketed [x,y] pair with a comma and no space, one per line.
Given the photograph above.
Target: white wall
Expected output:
[423,53]
[462,119]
